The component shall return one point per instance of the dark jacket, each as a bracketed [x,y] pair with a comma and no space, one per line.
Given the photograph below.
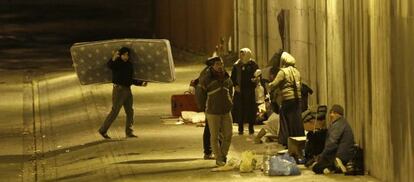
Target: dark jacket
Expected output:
[199,92]
[339,141]
[122,73]
[215,95]
[241,75]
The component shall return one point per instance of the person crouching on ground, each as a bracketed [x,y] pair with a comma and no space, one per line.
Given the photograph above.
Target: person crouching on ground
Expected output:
[216,88]
[339,144]
[122,72]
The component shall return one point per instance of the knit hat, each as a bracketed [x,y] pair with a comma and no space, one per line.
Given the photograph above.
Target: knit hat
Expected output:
[338,109]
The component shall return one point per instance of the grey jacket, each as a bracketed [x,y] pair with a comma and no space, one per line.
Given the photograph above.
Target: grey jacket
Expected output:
[214,96]
[339,141]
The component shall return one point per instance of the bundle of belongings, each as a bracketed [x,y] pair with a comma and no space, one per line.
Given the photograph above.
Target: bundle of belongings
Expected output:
[314,118]
[314,122]
[283,165]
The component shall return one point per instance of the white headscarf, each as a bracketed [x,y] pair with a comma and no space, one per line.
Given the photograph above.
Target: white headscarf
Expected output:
[287,60]
[248,55]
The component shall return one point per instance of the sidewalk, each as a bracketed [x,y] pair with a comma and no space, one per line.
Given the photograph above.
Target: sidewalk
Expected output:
[60,141]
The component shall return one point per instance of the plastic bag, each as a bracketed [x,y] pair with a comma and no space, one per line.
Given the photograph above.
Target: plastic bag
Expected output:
[248,162]
[193,117]
[283,165]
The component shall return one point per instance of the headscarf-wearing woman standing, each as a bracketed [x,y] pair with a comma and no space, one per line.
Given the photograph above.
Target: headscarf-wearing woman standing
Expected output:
[289,83]
[242,75]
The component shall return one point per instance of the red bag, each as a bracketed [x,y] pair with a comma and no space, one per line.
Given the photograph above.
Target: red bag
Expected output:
[183,102]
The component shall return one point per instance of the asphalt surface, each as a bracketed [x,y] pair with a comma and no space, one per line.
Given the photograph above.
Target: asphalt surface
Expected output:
[49,123]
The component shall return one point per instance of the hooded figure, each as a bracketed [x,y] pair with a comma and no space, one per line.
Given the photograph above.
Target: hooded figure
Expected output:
[242,75]
[288,82]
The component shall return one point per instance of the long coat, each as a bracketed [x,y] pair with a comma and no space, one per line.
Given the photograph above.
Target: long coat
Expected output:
[244,107]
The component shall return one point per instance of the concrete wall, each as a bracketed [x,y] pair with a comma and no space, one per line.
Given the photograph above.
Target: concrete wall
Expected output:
[402,84]
[194,25]
[47,22]
[355,53]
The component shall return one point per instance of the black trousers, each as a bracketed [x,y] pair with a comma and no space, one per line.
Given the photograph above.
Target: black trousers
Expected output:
[206,140]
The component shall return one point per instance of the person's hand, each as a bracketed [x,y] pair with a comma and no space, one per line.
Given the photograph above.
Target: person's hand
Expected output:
[270,87]
[237,88]
[115,55]
[254,79]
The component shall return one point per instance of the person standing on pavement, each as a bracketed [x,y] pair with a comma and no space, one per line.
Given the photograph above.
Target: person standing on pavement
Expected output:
[122,72]
[208,154]
[289,83]
[339,144]
[216,90]
[244,100]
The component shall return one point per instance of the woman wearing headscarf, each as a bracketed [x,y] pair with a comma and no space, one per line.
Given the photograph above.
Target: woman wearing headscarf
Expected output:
[242,75]
[289,83]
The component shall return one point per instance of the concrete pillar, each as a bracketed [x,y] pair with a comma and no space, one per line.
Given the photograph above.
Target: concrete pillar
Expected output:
[335,53]
[251,28]
[321,91]
[274,41]
[379,13]
[299,39]
[402,84]
[246,23]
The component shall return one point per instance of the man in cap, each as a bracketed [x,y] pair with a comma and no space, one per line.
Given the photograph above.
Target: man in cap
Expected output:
[339,144]
[122,73]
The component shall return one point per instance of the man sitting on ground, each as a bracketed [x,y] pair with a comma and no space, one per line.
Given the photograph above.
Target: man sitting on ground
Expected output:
[339,144]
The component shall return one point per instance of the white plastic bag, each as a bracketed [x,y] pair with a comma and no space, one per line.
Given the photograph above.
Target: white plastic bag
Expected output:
[193,117]
[248,162]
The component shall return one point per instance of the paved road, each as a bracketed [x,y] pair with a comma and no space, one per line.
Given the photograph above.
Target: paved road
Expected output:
[48,132]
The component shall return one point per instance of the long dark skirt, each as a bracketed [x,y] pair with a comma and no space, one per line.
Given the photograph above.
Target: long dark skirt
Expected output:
[290,121]
[244,110]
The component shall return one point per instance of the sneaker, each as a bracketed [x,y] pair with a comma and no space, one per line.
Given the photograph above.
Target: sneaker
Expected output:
[326,171]
[310,163]
[208,157]
[340,165]
[220,163]
[104,135]
[131,136]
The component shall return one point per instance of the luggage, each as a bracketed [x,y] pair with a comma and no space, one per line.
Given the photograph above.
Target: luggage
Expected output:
[152,60]
[183,102]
